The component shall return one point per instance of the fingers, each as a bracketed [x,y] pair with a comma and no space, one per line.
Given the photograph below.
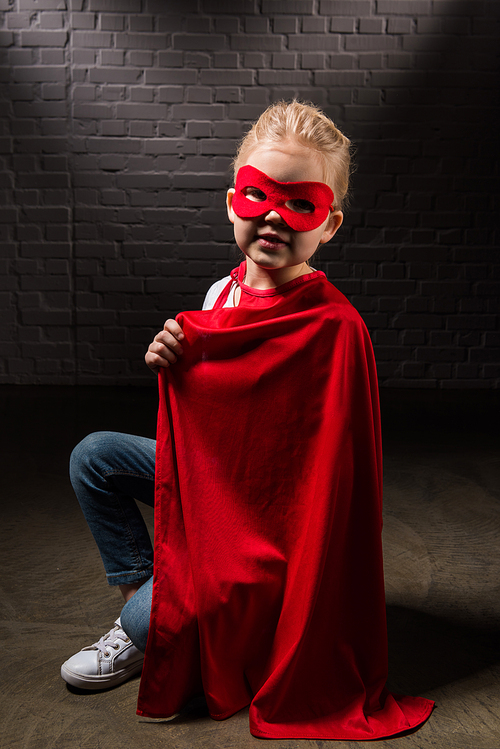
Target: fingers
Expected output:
[169,338]
[165,347]
[173,327]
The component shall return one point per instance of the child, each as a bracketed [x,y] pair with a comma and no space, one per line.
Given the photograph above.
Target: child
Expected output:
[268,586]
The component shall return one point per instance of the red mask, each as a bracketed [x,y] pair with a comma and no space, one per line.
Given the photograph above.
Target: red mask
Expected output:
[302,205]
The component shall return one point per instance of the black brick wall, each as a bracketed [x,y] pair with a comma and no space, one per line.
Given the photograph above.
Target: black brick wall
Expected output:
[118,122]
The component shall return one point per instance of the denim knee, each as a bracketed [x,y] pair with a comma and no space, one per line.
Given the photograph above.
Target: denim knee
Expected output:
[135,615]
[84,454]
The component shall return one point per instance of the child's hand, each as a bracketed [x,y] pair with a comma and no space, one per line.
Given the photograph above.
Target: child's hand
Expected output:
[165,348]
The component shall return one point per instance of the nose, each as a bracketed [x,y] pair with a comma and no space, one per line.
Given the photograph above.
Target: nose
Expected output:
[274,217]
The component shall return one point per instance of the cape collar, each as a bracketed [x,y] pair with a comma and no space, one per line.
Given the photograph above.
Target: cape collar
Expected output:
[238,274]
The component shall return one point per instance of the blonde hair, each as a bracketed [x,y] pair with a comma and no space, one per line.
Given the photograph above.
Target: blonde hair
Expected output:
[309,126]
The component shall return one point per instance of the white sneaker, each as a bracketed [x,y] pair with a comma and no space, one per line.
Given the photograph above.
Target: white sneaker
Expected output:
[106,663]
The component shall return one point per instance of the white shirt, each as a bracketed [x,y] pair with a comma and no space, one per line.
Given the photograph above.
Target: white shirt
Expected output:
[215,290]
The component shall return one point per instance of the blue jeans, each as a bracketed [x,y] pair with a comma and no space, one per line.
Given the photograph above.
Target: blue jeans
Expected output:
[109,471]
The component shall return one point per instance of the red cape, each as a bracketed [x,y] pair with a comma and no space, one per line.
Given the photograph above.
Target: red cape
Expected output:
[268,585]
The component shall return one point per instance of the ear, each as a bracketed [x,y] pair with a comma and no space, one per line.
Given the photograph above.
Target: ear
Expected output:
[229,204]
[332,226]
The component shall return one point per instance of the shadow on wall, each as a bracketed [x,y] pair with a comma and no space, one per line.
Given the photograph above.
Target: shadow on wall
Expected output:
[428,145]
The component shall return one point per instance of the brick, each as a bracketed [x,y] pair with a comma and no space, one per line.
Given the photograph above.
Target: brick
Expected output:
[227,94]
[199,94]
[200,181]
[115,6]
[141,58]
[140,93]
[83,57]
[230,6]
[371,25]
[285,25]
[196,59]
[227,129]
[342,62]
[280,78]
[314,25]
[418,321]
[345,7]
[218,146]
[313,60]
[254,60]
[358,42]
[53,91]
[18,93]
[39,5]
[227,26]
[114,145]
[128,285]
[92,111]
[171,94]
[290,7]
[97,39]
[198,41]
[170,77]
[32,109]
[225,60]
[399,25]
[141,41]
[309,42]
[114,75]
[43,180]
[405,79]
[84,93]
[284,60]
[256,25]
[15,58]
[141,111]
[112,57]
[43,317]
[339,78]
[83,21]
[39,74]
[404,7]
[170,59]
[18,21]
[274,43]
[389,288]
[448,355]
[45,283]
[143,181]
[141,22]
[169,146]
[226,77]
[343,25]
[198,111]
[51,20]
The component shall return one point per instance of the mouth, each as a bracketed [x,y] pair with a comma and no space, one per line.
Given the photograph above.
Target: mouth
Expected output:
[271,241]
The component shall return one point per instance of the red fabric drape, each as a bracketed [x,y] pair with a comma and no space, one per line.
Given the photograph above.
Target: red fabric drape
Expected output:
[268,585]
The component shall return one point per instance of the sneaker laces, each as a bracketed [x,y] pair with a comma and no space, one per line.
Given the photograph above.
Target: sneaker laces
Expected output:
[110,640]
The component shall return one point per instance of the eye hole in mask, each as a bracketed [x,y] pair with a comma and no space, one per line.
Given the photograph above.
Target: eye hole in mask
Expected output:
[297,205]
[301,205]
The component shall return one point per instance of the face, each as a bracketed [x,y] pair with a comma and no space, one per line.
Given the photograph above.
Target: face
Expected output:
[267,239]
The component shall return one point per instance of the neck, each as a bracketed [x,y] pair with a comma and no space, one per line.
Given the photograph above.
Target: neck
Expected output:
[270,278]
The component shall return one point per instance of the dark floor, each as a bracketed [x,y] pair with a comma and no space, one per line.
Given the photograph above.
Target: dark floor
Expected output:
[442,523]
